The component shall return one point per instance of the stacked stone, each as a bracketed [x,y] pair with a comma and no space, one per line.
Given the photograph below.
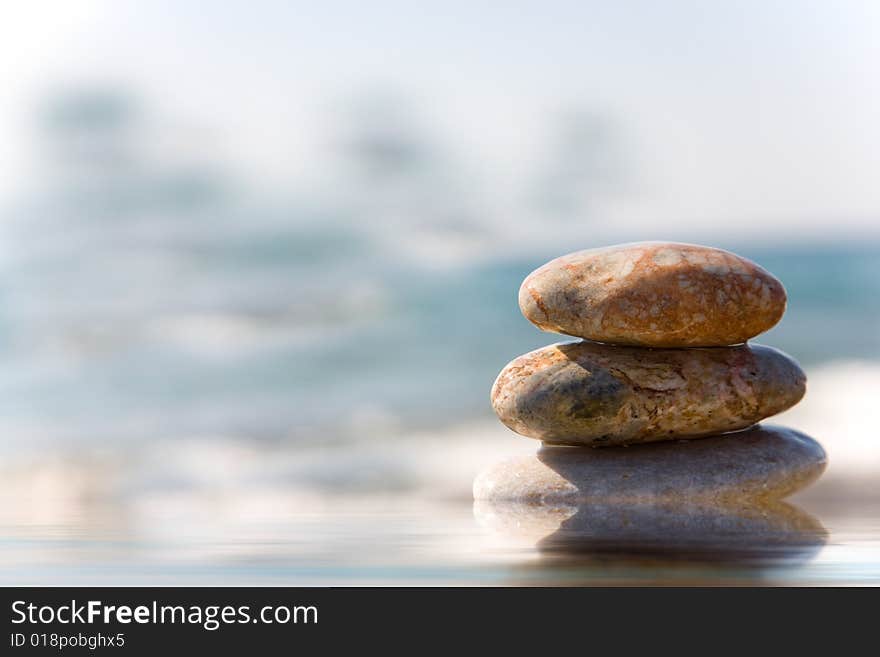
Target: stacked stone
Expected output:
[663,358]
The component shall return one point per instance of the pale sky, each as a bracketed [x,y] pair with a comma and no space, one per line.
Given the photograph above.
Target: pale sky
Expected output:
[754,115]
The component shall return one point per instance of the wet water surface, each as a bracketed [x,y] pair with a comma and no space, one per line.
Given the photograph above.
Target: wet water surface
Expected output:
[202,537]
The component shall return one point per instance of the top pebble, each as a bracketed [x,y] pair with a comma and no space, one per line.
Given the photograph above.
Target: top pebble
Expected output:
[654,294]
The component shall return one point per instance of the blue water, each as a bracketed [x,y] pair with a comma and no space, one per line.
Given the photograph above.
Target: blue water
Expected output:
[305,329]
[143,298]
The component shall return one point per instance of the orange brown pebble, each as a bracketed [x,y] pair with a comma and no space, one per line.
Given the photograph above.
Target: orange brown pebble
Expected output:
[586,393]
[654,294]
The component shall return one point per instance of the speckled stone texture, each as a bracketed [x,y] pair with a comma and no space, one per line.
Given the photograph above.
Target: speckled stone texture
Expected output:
[585,393]
[654,294]
[762,463]
[771,530]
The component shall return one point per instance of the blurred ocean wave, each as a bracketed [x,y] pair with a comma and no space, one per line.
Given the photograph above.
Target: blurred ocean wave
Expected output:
[147,298]
[306,353]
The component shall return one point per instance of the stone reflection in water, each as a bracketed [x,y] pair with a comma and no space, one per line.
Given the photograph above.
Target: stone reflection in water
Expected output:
[743,534]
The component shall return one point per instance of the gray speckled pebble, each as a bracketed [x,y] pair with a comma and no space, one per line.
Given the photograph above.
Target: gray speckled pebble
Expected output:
[586,393]
[760,463]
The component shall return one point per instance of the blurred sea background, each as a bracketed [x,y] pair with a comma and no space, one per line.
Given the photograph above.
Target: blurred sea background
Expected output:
[258,258]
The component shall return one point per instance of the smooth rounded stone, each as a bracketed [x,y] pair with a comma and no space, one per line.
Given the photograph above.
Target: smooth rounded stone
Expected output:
[740,533]
[762,463]
[654,294]
[585,393]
